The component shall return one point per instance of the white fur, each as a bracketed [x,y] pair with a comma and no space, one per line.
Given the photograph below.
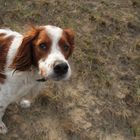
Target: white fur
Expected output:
[19,84]
[25,103]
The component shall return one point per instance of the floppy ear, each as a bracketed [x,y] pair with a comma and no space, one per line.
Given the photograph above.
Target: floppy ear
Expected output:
[24,56]
[70,37]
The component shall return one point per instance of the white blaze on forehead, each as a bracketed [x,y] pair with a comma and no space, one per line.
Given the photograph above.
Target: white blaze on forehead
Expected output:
[54,33]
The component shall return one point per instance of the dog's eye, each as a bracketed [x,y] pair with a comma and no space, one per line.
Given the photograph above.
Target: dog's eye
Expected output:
[66,47]
[43,46]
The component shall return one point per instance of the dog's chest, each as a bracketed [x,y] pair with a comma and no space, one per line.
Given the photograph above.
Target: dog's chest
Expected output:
[21,84]
[24,81]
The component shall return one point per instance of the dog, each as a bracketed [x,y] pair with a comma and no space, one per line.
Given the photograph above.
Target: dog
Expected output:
[27,61]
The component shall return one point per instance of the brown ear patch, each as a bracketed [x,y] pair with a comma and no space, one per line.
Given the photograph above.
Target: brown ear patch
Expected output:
[66,42]
[5,43]
[24,56]
[70,35]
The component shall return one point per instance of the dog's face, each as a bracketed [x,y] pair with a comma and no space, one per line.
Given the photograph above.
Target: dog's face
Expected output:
[48,48]
[53,47]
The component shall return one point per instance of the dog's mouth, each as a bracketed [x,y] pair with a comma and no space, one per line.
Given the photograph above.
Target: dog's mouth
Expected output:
[53,77]
[56,77]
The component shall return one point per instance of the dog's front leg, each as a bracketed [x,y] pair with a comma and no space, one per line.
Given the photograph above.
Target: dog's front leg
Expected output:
[3,105]
[3,128]
[27,101]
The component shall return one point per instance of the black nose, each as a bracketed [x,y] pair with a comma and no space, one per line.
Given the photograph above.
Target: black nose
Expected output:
[61,68]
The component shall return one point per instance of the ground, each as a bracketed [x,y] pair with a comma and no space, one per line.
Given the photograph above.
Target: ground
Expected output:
[101,101]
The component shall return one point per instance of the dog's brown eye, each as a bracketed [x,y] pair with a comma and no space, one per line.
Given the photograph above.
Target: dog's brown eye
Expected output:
[43,46]
[66,47]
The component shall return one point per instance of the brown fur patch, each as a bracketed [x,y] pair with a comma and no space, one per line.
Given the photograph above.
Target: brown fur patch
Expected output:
[42,39]
[5,43]
[29,52]
[24,56]
[67,40]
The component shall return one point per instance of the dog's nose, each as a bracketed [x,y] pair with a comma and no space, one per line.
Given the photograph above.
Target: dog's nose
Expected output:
[61,68]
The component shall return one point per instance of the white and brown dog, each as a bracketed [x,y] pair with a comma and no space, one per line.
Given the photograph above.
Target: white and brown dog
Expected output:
[38,55]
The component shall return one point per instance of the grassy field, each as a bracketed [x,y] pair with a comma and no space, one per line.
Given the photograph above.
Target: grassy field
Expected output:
[101,101]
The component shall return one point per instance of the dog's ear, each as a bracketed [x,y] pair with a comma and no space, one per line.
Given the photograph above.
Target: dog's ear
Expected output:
[24,56]
[70,37]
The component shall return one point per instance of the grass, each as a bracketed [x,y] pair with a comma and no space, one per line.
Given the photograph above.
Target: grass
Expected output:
[101,101]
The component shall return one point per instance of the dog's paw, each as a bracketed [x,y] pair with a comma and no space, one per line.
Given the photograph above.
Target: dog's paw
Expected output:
[25,103]
[3,128]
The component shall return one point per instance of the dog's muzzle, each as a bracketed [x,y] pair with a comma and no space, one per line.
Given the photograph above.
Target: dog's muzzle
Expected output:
[60,70]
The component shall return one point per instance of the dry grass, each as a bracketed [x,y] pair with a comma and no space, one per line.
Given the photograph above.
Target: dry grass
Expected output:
[102,99]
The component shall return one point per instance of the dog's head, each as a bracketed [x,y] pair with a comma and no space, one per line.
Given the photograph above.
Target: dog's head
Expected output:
[48,48]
